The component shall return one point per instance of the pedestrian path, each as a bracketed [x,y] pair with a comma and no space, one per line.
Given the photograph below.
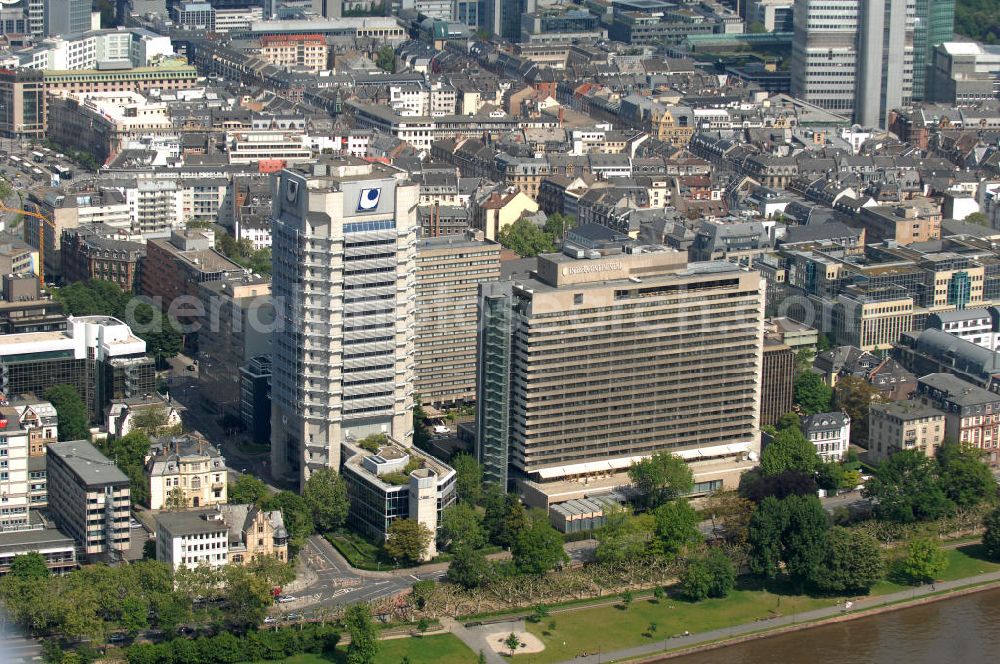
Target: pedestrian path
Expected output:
[476,639]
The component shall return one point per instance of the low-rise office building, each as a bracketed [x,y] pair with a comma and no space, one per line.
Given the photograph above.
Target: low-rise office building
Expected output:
[97,355]
[89,498]
[396,483]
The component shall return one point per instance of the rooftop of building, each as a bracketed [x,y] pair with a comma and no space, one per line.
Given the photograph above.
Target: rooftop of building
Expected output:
[87,462]
[907,410]
[191,522]
[824,421]
[37,539]
[957,390]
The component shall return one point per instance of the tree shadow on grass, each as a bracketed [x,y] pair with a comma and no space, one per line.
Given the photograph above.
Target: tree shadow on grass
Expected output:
[977,551]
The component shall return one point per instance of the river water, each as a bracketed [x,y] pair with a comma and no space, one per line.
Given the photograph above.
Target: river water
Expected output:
[961,630]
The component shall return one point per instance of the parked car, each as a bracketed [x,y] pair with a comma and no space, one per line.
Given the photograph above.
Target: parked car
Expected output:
[285,599]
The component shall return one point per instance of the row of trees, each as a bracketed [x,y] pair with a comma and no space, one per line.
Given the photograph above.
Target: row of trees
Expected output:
[94,601]
[227,648]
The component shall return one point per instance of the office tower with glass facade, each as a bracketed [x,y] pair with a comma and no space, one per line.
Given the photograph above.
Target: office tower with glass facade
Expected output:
[503,17]
[344,236]
[934,24]
[616,354]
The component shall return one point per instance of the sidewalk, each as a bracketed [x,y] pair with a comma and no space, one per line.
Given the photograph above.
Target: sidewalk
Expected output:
[860,605]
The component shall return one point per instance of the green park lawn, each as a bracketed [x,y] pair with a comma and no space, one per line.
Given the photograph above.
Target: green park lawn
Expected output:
[436,649]
[609,628]
[964,561]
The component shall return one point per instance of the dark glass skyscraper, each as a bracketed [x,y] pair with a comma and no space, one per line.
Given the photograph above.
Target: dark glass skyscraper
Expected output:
[934,24]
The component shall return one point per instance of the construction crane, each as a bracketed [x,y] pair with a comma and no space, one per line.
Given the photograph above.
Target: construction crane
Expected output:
[41,237]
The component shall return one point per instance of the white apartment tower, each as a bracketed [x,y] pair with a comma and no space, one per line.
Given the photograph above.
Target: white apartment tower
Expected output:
[344,285]
[854,57]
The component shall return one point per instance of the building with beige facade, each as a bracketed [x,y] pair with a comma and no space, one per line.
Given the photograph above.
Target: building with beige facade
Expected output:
[500,210]
[449,271]
[903,425]
[188,469]
[606,355]
[344,286]
[308,52]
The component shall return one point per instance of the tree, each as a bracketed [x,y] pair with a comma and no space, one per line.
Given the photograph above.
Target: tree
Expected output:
[129,454]
[557,225]
[408,539]
[711,575]
[627,598]
[538,549]
[855,396]
[977,218]
[830,476]
[623,536]
[804,540]
[789,421]
[246,490]
[162,337]
[326,496]
[756,28]
[789,450]
[247,597]
[924,561]
[297,516]
[730,515]
[991,534]
[72,413]
[421,592]
[756,486]
[469,567]
[505,518]
[660,478]
[525,239]
[364,634]
[29,566]
[852,562]
[512,642]
[812,394]
[461,525]
[790,532]
[965,479]
[905,488]
[175,500]
[385,59]
[676,526]
[539,613]
[469,481]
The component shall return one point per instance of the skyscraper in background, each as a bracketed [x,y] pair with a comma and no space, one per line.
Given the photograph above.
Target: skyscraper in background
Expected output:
[344,285]
[934,24]
[854,57]
[503,17]
[66,17]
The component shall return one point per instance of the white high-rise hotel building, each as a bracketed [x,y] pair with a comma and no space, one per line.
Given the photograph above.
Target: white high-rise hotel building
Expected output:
[344,285]
[854,57]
